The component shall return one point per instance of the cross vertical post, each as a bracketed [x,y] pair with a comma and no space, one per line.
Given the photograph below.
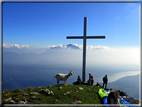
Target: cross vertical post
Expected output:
[84,50]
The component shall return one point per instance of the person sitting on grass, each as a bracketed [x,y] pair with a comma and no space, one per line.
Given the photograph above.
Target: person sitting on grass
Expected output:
[91,80]
[78,81]
[99,85]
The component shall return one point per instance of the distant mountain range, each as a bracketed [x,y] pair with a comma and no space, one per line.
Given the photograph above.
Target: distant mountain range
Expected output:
[128,84]
[39,50]
[69,46]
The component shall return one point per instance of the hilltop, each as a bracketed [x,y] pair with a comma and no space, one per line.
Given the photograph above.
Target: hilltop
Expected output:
[70,94]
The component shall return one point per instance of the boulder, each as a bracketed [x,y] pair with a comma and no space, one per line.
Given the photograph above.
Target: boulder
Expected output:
[44,90]
[12,102]
[33,97]
[50,93]
[77,102]
[16,99]
[9,99]
[35,93]
[25,94]
[21,102]
[80,88]
[68,92]
[60,88]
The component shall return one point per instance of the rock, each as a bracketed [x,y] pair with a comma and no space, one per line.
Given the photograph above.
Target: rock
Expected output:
[17,99]
[68,92]
[35,93]
[33,97]
[77,102]
[65,93]
[25,101]
[80,88]
[51,93]
[76,91]
[12,102]
[25,94]
[21,102]
[44,90]
[60,88]
[9,99]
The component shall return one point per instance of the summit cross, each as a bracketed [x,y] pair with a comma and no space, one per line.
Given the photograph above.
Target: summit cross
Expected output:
[84,37]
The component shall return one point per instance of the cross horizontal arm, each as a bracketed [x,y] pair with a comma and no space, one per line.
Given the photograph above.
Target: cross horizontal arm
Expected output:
[95,37]
[87,37]
[74,37]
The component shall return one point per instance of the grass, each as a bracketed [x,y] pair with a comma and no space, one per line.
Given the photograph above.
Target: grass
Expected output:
[86,96]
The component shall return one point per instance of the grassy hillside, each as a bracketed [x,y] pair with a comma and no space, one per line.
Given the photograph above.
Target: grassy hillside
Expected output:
[67,95]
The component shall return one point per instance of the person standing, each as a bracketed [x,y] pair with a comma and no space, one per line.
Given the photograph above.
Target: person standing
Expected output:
[105,79]
[91,80]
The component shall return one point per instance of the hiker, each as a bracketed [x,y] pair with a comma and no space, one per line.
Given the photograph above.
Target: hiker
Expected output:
[99,85]
[105,79]
[91,80]
[78,81]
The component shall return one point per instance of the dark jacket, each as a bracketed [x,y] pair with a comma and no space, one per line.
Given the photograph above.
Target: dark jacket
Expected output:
[105,79]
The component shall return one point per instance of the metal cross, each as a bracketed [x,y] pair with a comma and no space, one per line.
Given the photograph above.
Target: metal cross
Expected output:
[84,37]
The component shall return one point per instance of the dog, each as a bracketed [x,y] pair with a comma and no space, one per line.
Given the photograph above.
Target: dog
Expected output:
[113,98]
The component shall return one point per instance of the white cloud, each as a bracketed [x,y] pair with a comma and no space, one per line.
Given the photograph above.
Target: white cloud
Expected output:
[80,47]
[94,55]
[114,56]
[59,46]
[15,46]
[97,47]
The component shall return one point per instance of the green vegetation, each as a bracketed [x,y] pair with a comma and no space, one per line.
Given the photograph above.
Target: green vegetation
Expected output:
[61,96]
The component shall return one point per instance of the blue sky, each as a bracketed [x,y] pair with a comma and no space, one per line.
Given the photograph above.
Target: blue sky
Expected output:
[44,24]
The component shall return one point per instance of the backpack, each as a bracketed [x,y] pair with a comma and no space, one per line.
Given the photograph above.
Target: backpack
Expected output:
[105,79]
